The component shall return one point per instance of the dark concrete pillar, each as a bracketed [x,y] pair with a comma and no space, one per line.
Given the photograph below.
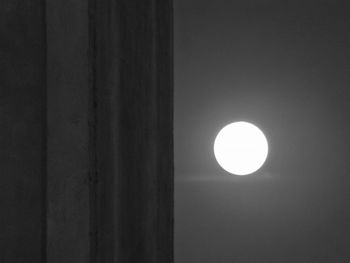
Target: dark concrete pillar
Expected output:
[22,131]
[68,163]
[86,145]
[134,123]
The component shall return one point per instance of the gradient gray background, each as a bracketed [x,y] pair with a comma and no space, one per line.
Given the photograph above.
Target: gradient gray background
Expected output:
[285,66]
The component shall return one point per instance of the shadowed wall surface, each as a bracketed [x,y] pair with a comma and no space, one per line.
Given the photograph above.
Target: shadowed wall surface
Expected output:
[22,124]
[86,147]
[68,204]
[134,145]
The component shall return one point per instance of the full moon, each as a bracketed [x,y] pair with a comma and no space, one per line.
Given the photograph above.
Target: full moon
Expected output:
[240,148]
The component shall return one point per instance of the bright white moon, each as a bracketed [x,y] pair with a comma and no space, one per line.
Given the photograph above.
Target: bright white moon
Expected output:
[240,148]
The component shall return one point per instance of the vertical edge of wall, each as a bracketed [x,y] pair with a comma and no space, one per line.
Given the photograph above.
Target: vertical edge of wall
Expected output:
[68,208]
[110,131]
[164,64]
[134,130]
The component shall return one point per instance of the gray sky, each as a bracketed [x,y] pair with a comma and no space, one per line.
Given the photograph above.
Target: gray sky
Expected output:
[284,66]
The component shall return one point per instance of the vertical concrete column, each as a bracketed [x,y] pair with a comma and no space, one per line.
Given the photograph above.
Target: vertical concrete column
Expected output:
[22,131]
[134,124]
[109,131]
[68,109]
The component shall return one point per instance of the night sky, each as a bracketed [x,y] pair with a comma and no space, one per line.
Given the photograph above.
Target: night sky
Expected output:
[284,66]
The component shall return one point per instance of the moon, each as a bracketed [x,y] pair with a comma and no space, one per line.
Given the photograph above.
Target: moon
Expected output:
[241,148]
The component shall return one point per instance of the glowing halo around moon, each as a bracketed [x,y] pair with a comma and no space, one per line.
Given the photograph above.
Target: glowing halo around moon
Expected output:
[240,148]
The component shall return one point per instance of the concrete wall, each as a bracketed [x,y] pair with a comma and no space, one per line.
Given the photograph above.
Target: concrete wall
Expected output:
[22,127]
[134,78]
[68,198]
[86,150]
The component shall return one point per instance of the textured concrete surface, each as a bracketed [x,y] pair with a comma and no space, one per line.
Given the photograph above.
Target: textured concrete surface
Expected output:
[86,148]
[134,131]
[68,215]
[22,120]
